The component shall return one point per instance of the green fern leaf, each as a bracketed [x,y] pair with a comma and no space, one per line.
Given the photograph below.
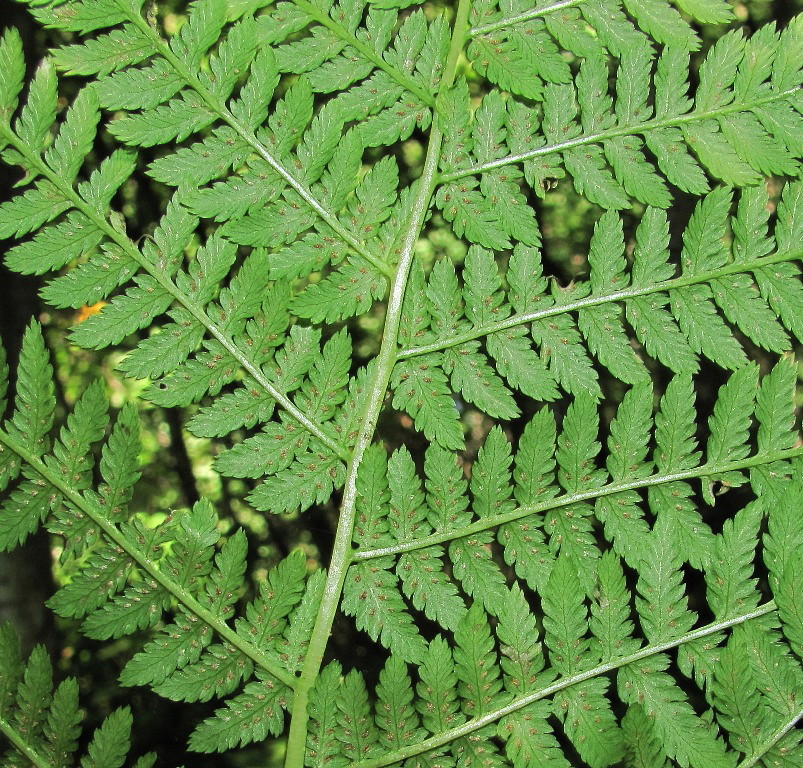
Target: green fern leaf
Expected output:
[219,672]
[522,658]
[421,572]
[322,744]
[705,331]
[82,595]
[737,695]
[371,525]
[503,62]
[266,617]
[372,597]
[420,389]
[116,618]
[396,716]
[244,407]
[475,569]
[577,448]
[447,500]
[437,688]
[104,54]
[663,23]
[602,328]
[39,111]
[62,728]
[731,588]
[27,212]
[13,68]
[201,30]
[293,645]
[11,666]
[234,55]
[730,422]
[34,693]
[782,540]
[642,749]
[35,402]
[685,737]
[250,716]
[75,137]
[110,742]
[529,741]
[72,452]
[743,306]
[174,121]
[350,290]
[477,382]
[610,614]
[123,315]
[477,672]
[53,248]
[357,733]
[310,479]
[202,161]
[662,606]
[775,431]
[138,88]
[621,513]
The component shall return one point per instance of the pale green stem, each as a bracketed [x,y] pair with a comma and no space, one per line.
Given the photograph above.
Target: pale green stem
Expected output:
[749,762]
[21,745]
[170,287]
[385,361]
[613,133]
[180,593]
[734,268]
[534,13]
[520,702]
[707,470]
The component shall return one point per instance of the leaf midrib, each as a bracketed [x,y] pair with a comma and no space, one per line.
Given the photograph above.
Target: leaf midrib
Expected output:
[192,605]
[704,470]
[385,360]
[102,223]
[734,268]
[520,702]
[163,49]
[613,133]
[520,18]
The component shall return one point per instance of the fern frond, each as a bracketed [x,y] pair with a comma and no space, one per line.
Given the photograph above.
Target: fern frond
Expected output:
[675,317]
[571,543]
[135,574]
[42,726]
[604,151]
[196,313]
[550,518]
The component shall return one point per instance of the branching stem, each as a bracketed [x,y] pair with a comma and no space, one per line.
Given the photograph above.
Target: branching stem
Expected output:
[520,702]
[384,363]
[734,268]
[131,250]
[115,535]
[613,133]
[706,470]
[533,13]
[21,745]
